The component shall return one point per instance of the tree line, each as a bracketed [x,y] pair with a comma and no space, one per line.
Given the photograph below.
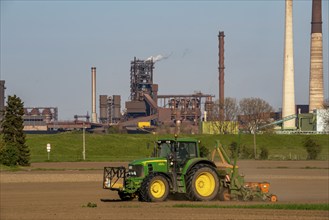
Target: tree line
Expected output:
[252,113]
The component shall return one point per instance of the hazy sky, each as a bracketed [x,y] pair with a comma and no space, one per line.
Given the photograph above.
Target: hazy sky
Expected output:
[48,48]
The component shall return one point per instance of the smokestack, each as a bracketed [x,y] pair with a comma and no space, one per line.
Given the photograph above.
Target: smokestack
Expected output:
[316,96]
[93,95]
[288,94]
[2,98]
[221,73]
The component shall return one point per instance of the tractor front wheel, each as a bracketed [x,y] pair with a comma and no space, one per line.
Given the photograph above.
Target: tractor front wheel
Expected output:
[202,183]
[155,188]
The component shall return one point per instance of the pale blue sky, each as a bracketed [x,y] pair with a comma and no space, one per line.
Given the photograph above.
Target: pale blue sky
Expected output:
[48,48]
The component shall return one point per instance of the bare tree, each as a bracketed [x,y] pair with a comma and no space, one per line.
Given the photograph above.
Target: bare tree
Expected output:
[255,112]
[231,110]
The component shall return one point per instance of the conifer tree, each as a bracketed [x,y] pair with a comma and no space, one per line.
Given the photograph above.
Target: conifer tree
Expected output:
[14,151]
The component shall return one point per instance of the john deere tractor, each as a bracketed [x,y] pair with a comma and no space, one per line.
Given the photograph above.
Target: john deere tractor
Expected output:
[177,167]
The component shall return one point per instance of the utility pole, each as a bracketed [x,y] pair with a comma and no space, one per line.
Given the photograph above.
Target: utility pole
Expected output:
[84,142]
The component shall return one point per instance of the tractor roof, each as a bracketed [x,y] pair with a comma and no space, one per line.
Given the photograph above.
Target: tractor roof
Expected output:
[178,139]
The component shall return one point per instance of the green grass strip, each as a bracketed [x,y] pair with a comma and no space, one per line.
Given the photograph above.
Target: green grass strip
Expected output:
[11,169]
[321,206]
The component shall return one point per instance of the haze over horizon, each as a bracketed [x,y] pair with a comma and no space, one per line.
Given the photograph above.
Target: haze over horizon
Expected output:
[48,49]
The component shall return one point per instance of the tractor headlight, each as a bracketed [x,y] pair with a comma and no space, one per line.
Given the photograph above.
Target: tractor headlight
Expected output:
[135,171]
[132,173]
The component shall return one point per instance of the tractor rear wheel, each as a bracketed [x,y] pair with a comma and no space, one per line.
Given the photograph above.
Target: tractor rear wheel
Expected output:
[202,183]
[155,188]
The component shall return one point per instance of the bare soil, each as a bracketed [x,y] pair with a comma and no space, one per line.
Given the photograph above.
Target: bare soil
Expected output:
[63,191]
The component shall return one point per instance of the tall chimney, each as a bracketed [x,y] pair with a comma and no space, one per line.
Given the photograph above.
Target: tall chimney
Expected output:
[2,98]
[288,94]
[221,73]
[316,96]
[93,95]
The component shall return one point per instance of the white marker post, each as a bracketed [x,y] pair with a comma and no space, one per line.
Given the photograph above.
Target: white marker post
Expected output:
[48,150]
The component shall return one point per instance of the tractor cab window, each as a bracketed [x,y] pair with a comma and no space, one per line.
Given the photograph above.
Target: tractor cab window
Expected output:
[182,152]
[164,150]
[192,149]
[186,150]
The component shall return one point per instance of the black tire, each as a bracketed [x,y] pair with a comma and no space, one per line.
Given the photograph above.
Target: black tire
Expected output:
[154,188]
[202,183]
[126,196]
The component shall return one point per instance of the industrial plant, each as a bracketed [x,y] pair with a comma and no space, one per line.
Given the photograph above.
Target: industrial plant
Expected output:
[147,111]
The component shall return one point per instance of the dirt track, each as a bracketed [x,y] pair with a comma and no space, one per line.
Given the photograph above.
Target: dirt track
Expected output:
[62,194]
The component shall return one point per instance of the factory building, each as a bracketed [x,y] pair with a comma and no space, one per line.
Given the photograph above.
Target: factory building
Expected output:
[146,110]
[110,109]
[38,118]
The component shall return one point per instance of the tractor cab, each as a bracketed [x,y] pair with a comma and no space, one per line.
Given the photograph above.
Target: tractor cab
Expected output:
[177,150]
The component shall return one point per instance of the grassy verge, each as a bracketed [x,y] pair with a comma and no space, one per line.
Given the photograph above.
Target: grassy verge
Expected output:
[321,206]
[125,147]
[6,168]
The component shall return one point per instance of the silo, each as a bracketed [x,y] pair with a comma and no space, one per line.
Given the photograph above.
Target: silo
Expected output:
[47,114]
[116,108]
[103,111]
[26,112]
[35,112]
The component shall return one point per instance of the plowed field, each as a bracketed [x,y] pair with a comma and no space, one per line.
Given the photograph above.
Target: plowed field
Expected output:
[63,190]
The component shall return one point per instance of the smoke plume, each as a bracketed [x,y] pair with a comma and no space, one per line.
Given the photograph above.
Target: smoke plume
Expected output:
[158,58]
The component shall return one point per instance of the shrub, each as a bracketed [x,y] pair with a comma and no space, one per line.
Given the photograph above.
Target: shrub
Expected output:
[113,130]
[90,205]
[313,149]
[263,153]
[246,152]
[233,148]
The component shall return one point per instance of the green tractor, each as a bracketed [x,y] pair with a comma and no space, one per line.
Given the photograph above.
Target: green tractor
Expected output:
[177,167]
